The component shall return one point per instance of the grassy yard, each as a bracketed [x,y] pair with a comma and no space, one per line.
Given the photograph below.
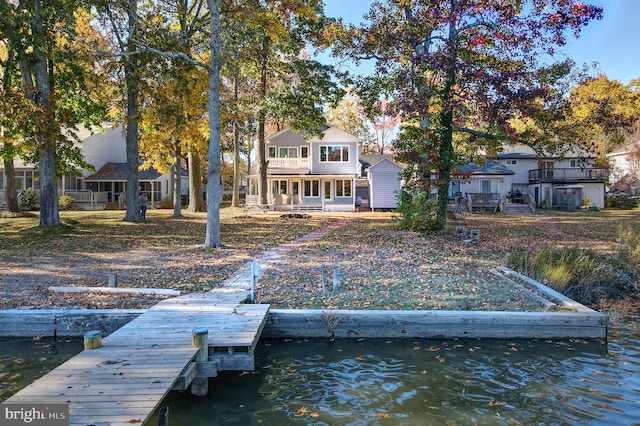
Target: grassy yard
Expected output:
[381,267]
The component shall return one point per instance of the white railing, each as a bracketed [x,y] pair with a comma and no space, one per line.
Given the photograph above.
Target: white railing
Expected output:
[88,197]
[288,163]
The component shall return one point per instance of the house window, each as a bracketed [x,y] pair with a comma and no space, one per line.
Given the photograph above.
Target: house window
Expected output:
[304,152]
[512,162]
[488,186]
[343,188]
[272,152]
[311,188]
[334,153]
[574,163]
[287,152]
[278,187]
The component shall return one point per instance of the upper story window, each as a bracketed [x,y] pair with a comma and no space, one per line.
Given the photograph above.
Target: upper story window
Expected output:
[574,163]
[511,162]
[334,153]
[283,152]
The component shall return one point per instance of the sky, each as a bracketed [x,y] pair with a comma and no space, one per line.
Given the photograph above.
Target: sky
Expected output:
[613,42]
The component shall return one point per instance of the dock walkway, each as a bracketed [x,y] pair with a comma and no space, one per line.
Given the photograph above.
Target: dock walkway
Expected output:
[126,379]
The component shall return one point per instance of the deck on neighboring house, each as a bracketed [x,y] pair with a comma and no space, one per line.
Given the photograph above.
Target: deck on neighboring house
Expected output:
[125,380]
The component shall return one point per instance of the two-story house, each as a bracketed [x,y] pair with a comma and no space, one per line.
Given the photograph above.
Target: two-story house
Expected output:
[318,174]
[518,174]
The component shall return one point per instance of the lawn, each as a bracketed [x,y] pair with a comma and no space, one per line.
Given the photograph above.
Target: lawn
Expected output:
[380,266]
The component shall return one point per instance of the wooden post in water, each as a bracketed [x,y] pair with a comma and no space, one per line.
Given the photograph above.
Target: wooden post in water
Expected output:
[200,339]
[92,339]
[324,287]
[163,416]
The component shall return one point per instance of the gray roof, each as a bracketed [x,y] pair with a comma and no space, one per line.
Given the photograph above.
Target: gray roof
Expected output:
[369,160]
[490,168]
[516,155]
[117,172]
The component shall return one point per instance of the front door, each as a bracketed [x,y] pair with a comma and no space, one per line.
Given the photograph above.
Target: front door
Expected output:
[327,190]
[295,191]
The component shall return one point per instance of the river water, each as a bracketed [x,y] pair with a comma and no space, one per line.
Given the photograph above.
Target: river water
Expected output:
[428,382]
[399,382]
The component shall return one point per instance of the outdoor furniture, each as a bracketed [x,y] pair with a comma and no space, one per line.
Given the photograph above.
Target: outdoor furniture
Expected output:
[517,197]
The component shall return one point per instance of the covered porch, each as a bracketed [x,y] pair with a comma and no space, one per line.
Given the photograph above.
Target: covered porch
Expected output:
[305,192]
[111,180]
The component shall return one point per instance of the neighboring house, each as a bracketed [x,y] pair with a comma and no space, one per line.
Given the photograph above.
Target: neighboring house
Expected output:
[517,174]
[105,149]
[318,174]
[625,169]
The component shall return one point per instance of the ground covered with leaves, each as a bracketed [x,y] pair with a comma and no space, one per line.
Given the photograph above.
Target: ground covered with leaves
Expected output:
[380,266]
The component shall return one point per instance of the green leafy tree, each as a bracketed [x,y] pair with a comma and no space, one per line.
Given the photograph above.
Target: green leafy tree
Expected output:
[349,116]
[53,68]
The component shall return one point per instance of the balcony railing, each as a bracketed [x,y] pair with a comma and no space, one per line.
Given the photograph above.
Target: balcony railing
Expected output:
[568,175]
[288,163]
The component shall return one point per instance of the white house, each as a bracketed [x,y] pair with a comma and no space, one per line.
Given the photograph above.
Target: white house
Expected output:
[105,150]
[320,173]
[517,174]
[625,169]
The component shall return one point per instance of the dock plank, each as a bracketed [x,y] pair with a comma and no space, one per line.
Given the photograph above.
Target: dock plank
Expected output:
[126,379]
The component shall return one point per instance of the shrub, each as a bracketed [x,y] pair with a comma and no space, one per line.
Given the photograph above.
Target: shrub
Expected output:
[166,203]
[628,250]
[418,213]
[578,273]
[66,202]
[518,260]
[621,202]
[28,199]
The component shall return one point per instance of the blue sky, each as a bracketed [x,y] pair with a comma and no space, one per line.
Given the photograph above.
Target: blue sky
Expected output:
[613,42]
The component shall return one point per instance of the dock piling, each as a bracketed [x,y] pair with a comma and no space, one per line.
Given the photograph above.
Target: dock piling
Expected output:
[92,339]
[200,339]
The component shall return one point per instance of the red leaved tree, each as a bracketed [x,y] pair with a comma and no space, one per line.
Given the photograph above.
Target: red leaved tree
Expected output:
[464,67]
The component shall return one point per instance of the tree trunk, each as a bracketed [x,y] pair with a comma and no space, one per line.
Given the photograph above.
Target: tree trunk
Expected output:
[11,194]
[261,156]
[44,131]
[177,186]
[133,213]
[196,202]
[235,199]
[212,237]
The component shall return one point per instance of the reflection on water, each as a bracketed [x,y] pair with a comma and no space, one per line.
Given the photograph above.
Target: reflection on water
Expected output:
[418,382]
[24,360]
[398,382]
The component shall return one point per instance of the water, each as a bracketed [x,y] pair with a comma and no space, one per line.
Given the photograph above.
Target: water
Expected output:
[427,382]
[398,382]
[24,360]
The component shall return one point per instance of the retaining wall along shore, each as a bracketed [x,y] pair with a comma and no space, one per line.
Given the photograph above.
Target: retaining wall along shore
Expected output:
[337,324]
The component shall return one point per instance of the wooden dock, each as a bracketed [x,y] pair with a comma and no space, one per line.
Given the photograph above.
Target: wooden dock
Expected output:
[125,380]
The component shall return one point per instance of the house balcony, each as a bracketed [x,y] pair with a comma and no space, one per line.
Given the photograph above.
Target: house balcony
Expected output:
[288,165]
[571,175]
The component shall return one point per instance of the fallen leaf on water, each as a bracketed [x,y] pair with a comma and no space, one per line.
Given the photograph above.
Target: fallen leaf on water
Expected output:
[383,415]
[134,421]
